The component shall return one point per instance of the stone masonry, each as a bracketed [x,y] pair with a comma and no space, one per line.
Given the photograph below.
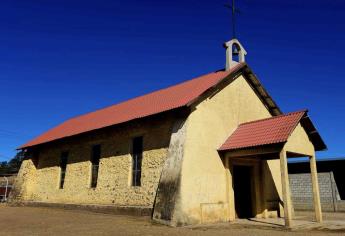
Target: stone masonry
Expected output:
[40,182]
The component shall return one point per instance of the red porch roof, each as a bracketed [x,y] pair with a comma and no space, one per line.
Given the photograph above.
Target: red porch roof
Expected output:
[271,131]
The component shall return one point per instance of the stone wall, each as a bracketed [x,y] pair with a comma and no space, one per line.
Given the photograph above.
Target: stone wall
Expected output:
[40,183]
[302,192]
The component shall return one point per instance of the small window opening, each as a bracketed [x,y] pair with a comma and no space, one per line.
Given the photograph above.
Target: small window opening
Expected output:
[95,156]
[63,166]
[137,156]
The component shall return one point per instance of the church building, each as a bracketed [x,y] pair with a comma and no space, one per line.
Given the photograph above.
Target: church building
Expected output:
[211,149]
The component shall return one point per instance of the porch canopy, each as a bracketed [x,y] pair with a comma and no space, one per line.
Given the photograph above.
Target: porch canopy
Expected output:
[279,137]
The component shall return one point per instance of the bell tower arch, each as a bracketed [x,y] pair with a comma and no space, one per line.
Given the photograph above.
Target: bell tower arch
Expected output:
[235,53]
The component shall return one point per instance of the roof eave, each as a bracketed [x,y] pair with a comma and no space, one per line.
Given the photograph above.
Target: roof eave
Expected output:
[221,150]
[261,91]
[312,133]
[28,145]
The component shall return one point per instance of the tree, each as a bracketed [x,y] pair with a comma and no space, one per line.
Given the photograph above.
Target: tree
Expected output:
[13,165]
[16,162]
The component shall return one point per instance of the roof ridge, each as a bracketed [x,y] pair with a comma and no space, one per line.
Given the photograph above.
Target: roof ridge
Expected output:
[275,117]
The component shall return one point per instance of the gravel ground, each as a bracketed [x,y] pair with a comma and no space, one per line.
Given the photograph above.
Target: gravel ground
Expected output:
[51,221]
[338,216]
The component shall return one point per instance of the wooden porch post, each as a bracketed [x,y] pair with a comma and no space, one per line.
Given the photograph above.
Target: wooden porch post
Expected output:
[229,190]
[286,188]
[316,191]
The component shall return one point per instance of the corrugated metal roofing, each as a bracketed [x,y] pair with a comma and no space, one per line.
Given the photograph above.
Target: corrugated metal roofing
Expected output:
[262,132]
[159,101]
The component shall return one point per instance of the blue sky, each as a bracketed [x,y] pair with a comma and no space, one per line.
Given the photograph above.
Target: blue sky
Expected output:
[59,59]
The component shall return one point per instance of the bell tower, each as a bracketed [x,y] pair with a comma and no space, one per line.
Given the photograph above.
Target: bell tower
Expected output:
[235,52]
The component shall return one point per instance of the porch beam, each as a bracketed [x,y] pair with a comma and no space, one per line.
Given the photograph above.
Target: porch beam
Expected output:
[316,191]
[274,149]
[286,188]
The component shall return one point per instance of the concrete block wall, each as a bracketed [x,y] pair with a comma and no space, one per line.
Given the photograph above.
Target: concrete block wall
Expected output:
[302,192]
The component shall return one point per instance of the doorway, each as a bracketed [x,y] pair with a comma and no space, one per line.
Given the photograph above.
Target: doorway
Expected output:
[243,185]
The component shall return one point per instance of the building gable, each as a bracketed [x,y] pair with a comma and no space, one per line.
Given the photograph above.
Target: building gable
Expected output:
[299,142]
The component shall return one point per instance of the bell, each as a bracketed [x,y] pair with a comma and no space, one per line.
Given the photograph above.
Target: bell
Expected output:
[235,51]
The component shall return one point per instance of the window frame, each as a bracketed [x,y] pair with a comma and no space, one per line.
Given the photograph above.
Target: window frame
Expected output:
[137,159]
[95,164]
[63,168]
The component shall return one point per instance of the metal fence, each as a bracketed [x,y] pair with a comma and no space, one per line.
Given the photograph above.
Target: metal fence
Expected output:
[6,182]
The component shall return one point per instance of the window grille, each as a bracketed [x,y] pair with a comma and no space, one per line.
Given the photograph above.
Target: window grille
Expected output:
[137,155]
[95,156]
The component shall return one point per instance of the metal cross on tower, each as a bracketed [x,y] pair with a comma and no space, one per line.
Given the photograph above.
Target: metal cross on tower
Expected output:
[234,10]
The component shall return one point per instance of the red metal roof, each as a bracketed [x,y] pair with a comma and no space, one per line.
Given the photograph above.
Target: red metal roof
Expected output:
[159,101]
[272,130]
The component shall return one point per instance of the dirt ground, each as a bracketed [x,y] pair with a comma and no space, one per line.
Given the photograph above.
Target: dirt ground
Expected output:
[49,221]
